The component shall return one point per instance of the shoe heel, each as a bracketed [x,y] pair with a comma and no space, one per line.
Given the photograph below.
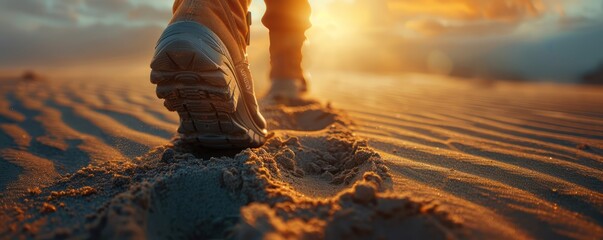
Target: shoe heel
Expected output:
[197,80]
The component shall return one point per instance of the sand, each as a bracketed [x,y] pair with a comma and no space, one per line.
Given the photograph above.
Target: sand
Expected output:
[404,157]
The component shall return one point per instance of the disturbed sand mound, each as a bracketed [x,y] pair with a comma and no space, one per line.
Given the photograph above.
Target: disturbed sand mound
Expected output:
[190,197]
[302,184]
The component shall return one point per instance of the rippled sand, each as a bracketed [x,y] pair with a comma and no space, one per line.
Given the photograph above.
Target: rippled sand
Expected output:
[410,156]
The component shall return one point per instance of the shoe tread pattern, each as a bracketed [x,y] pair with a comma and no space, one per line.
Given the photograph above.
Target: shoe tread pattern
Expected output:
[205,95]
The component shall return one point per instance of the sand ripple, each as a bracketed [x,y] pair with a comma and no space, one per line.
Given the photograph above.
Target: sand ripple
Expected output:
[440,159]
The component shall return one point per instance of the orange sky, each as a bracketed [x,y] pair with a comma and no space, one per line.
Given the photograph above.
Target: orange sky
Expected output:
[532,39]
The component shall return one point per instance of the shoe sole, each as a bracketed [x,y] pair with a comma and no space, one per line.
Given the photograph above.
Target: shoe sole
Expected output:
[205,94]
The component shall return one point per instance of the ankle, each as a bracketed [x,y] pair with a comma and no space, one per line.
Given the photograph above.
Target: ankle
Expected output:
[227,21]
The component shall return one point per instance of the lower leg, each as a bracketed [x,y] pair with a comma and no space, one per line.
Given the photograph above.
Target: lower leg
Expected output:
[287,21]
[228,19]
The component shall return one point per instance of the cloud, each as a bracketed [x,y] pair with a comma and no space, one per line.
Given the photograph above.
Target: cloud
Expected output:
[430,27]
[63,10]
[64,46]
[509,10]
[559,56]
[571,22]
[471,18]
[149,13]
[466,17]
[109,5]
[128,9]
[564,56]
[59,34]
[48,12]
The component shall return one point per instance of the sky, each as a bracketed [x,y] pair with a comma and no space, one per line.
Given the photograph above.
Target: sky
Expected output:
[538,40]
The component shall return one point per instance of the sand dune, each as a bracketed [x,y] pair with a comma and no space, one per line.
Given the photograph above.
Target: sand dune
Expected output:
[410,156]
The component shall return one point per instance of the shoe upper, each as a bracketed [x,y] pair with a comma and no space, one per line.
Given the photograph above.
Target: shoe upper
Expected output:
[248,92]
